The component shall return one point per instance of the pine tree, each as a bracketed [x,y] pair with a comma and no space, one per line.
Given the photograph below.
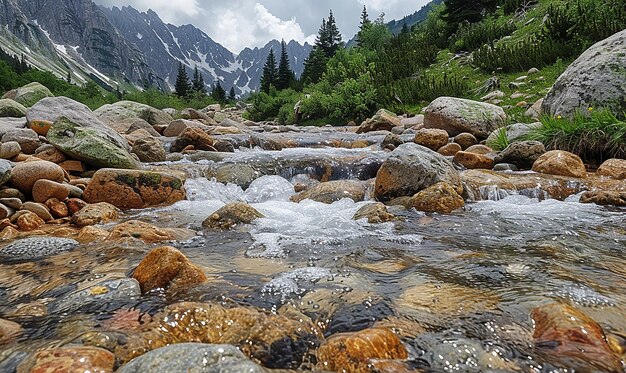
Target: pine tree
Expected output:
[285,74]
[329,38]
[270,73]
[197,82]
[405,28]
[69,77]
[182,86]
[219,94]
[314,66]
[364,25]
[458,11]
[231,95]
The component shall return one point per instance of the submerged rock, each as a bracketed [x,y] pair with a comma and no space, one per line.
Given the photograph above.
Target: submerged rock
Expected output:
[9,331]
[193,358]
[559,162]
[332,191]
[440,197]
[411,168]
[167,268]
[37,247]
[604,198]
[231,215]
[145,232]
[101,296]
[69,359]
[353,352]
[375,213]
[569,338]
[134,189]
[457,115]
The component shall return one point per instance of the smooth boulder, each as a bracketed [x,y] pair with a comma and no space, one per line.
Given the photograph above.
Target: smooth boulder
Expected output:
[383,120]
[522,154]
[560,162]
[121,115]
[457,115]
[25,174]
[29,94]
[11,108]
[167,268]
[441,198]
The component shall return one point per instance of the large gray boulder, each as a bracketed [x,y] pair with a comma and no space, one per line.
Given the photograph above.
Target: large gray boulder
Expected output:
[121,115]
[193,358]
[411,168]
[29,94]
[596,79]
[53,108]
[457,115]
[11,108]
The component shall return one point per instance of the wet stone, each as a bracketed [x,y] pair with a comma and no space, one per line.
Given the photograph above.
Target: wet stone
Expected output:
[99,297]
[37,247]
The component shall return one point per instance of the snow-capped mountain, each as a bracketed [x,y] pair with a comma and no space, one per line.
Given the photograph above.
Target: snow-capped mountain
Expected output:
[124,47]
[165,45]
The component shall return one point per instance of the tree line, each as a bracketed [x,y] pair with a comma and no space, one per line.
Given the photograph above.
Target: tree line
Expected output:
[186,88]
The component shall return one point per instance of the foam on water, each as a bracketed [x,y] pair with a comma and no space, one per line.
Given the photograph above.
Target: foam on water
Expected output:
[269,188]
[290,283]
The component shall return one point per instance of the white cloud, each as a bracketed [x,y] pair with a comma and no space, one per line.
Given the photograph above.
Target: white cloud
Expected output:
[172,11]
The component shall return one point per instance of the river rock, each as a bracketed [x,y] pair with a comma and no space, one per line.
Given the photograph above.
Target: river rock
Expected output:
[121,115]
[523,154]
[375,213]
[38,208]
[383,120]
[440,197]
[479,149]
[473,160]
[449,150]
[465,139]
[149,149]
[9,149]
[232,214]
[41,127]
[411,168]
[134,189]
[12,202]
[92,214]
[614,168]
[69,359]
[11,108]
[89,145]
[5,171]
[74,205]
[29,94]
[103,295]
[37,247]
[28,221]
[57,208]
[559,162]
[431,138]
[192,358]
[332,191]
[195,137]
[176,127]
[9,330]
[44,189]
[148,233]
[25,137]
[596,79]
[457,115]
[571,339]
[604,198]
[49,153]
[140,124]
[353,352]
[25,174]
[167,268]
[391,141]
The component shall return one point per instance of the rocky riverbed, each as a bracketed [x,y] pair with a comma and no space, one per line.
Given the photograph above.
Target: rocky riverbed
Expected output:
[137,239]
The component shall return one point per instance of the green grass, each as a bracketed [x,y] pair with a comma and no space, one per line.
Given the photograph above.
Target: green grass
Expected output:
[595,136]
[501,141]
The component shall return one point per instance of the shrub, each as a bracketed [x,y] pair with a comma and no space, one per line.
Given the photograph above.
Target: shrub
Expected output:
[471,36]
[268,106]
[595,136]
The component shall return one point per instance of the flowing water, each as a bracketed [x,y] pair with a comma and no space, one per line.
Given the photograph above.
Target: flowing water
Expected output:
[458,288]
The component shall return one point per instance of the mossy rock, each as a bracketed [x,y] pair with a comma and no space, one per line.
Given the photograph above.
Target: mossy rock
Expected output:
[29,94]
[11,108]
[89,145]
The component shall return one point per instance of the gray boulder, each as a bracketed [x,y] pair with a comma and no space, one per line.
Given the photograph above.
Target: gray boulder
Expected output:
[5,171]
[411,168]
[29,94]
[121,115]
[596,79]
[193,358]
[25,137]
[100,296]
[149,149]
[522,154]
[11,108]
[457,115]
[8,123]
[37,247]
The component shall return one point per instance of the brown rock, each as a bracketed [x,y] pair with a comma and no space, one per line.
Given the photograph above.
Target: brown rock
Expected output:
[231,215]
[568,337]
[29,221]
[74,205]
[375,213]
[25,174]
[43,190]
[383,120]
[77,359]
[41,127]
[176,127]
[9,233]
[148,233]
[134,189]
[473,160]
[359,144]
[353,352]
[440,197]
[479,149]
[167,268]
[614,168]
[38,208]
[560,162]
[91,234]
[97,213]
[450,149]
[604,198]
[431,138]
[73,166]
[6,223]
[9,331]
[465,139]
[193,136]
[57,208]
[332,191]
[50,153]
[149,149]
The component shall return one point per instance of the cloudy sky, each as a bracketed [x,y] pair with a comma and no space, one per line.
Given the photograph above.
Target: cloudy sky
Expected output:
[248,23]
